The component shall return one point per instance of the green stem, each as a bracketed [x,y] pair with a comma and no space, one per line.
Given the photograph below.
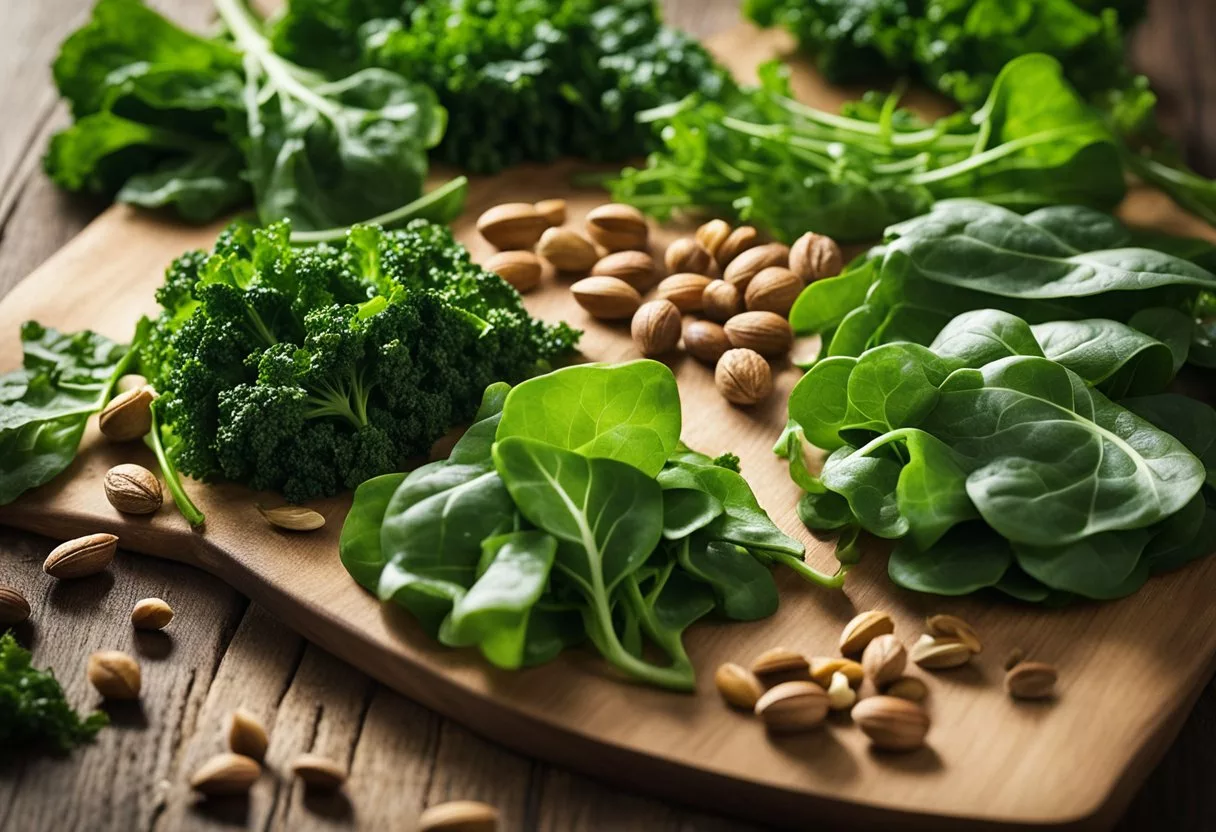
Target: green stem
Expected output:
[173,480]
[603,635]
[998,152]
[665,638]
[454,189]
[810,573]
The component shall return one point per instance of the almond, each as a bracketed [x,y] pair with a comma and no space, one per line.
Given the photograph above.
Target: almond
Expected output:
[226,774]
[738,686]
[81,557]
[687,255]
[908,687]
[246,735]
[743,377]
[684,290]
[712,235]
[511,226]
[618,227]
[824,667]
[317,772]
[656,327]
[765,332]
[293,518]
[737,242]
[884,660]
[721,301]
[773,290]
[132,489]
[128,416]
[705,341]
[951,626]
[609,298]
[864,628]
[459,816]
[793,706]
[892,723]
[814,257]
[779,661]
[1031,680]
[553,210]
[519,268]
[753,261]
[567,250]
[13,607]
[151,614]
[634,267]
[939,653]
[114,674]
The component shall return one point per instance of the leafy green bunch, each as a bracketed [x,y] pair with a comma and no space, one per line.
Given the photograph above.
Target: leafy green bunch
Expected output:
[311,370]
[571,512]
[764,158]
[997,457]
[33,709]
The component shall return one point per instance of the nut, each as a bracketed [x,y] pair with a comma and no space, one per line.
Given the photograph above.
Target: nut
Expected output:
[765,332]
[720,300]
[939,653]
[618,227]
[129,382]
[1015,656]
[863,629]
[293,518]
[712,235]
[318,772]
[226,774]
[656,327]
[246,735]
[814,257]
[737,242]
[459,816]
[684,290]
[513,225]
[892,723]
[519,268]
[753,261]
[609,298]
[128,415]
[81,557]
[738,686]
[793,706]
[705,341]
[908,687]
[1031,680]
[13,607]
[951,626]
[823,668]
[779,661]
[743,377]
[841,695]
[687,255]
[568,250]
[132,489]
[553,210]
[773,290]
[884,660]
[634,267]
[114,674]
[151,614]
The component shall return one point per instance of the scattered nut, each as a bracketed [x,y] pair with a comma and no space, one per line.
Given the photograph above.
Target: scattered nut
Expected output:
[1031,680]
[293,518]
[892,723]
[720,300]
[226,774]
[618,227]
[779,661]
[553,210]
[246,735]
[151,614]
[864,628]
[609,298]
[687,255]
[884,659]
[705,341]
[841,695]
[738,686]
[712,235]
[459,816]
[753,261]
[129,382]
[132,489]
[684,290]
[567,250]
[1015,656]
[511,226]
[317,772]
[81,557]
[823,668]
[908,687]
[519,268]
[114,674]
[793,706]
[743,377]
[13,607]
[765,332]
[814,257]
[128,415]
[656,327]
[939,653]
[951,626]
[634,267]
[737,242]
[773,290]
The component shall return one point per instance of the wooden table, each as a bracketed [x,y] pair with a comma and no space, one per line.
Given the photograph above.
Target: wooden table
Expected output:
[222,652]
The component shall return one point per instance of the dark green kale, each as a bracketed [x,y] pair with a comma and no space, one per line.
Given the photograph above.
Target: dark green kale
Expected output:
[33,710]
[308,371]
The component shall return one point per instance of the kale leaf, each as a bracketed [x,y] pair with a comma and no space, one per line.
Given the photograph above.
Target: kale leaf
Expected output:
[33,710]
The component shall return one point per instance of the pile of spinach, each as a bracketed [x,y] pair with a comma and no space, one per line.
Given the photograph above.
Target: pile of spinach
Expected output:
[571,512]
[998,457]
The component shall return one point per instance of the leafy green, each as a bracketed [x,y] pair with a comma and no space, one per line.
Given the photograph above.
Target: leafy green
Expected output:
[33,710]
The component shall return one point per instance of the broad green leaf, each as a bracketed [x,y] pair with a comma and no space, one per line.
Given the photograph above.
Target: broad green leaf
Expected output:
[359,545]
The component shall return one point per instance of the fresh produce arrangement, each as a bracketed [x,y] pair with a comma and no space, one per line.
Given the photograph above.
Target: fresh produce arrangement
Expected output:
[33,710]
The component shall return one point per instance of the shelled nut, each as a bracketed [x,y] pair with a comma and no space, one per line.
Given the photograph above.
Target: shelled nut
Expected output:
[1031,680]
[814,257]
[634,267]
[892,723]
[738,686]
[793,706]
[512,225]
[685,290]
[705,341]
[317,772]
[618,227]
[884,659]
[459,816]
[521,269]
[824,667]
[765,332]
[841,695]
[721,301]
[609,298]
[553,210]
[567,250]
[737,242]
[247,735]
[151,614]
[712,235]
[656,327]
[951,626]
[226,774]
[688,255]
[908,687]
[939,653]
[114,674]
[864,628]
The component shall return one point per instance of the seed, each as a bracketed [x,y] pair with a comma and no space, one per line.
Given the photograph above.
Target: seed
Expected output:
[226,774]
[738,241]
[553,210]
[129,382]
[884,659]
[892,723]
[81,557]
[656,327]
[687,255]
[618,227]
[512,226]
[712,235]
[814,257]
[753,261]
[634,267]
[765,332]
[939,653]
[793,706]
[246,735]
[743,377]
[567,250]
[151,614]
[951,626]
[114,674]
[13,607]
[1031,680]
[132,489]
[823,668]
[738,686]
[779,661]
[293,518]
[608,298]
[318,772]
[459,816]
[863,629]
[685,290]
[521,269]
[841,695]
[128,415]
[720,300]
[773,290]
[705,341]
[908,687]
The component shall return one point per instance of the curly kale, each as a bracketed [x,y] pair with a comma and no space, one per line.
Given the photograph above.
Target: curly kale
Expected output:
[307,371]
[33,710]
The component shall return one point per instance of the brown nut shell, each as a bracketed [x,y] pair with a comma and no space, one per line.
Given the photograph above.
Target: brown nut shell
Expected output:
[884,660]
[765,332]
[132,489]
[743,377]
[1031,680]
[705,341]
[712,235]
[128,415]
[892,723]
[13,607]
[684,290]
[151,614]
[521,268]
[81,557]
[738,686]
[114,674]
[636,268]
[512,225]
[737,242]
[226,774]
[864,628]
[793,706]
[608,298]
[814,257]
[687,255]
[618,227]
[656,327]
[721,301]
[773,290]
[317,772]
[459,816]
[567,250]
[753,261]
[553,210]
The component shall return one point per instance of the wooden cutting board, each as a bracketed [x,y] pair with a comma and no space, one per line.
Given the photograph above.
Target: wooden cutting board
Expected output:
[1130,670]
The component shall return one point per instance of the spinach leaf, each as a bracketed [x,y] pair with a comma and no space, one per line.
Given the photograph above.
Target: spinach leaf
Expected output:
[1101,566]
[968,558]
[359,544]
[824,511]
[685,510]
[976,338]
[1117,359]
[743,587]
[1191,422]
